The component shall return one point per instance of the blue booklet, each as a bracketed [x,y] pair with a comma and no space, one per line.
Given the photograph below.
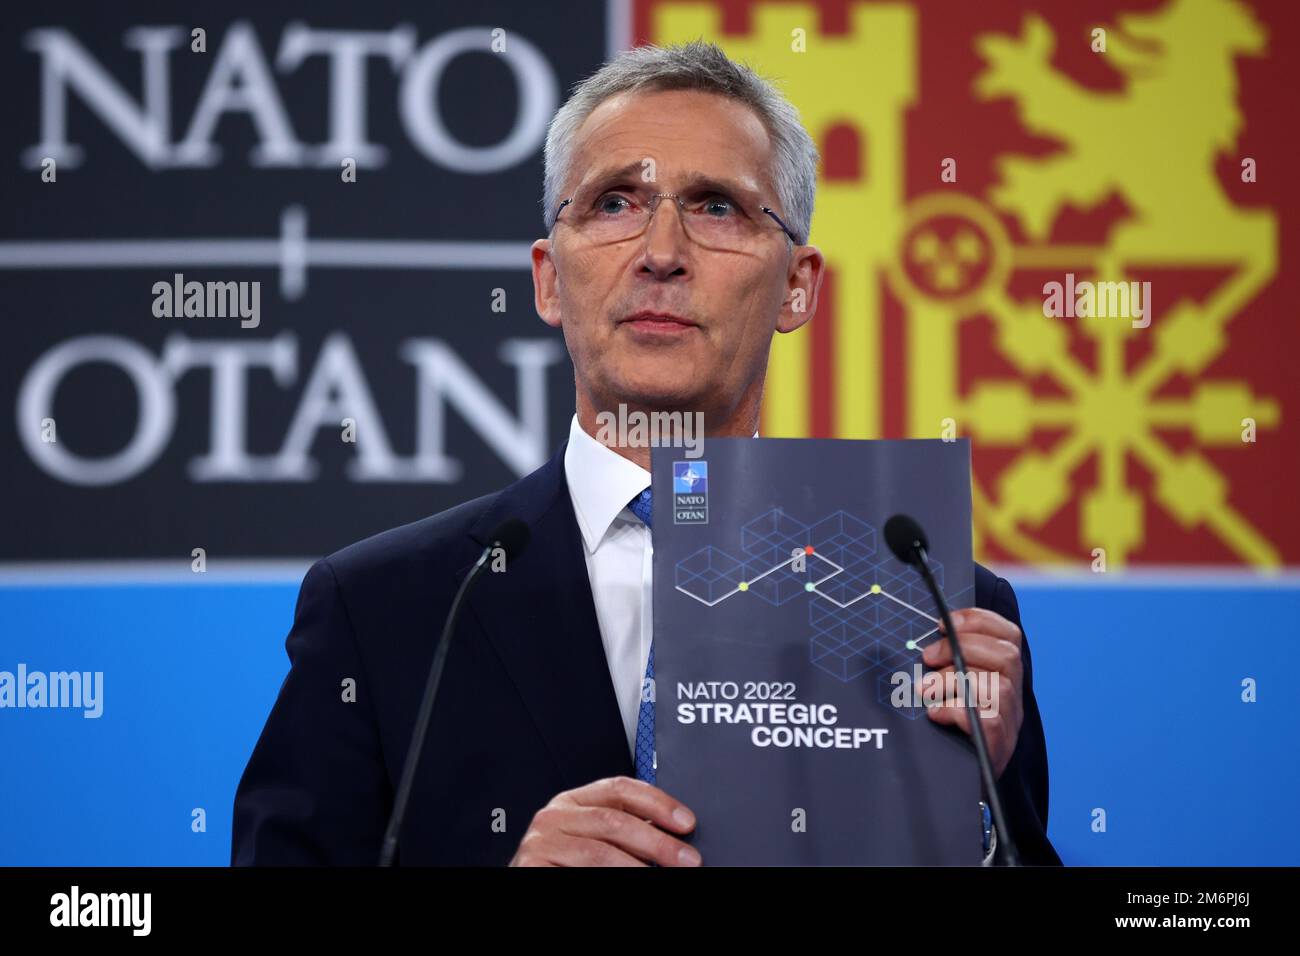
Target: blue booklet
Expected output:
[788,642]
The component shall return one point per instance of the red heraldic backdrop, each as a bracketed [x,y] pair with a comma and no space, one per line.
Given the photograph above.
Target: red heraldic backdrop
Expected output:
[1136,155]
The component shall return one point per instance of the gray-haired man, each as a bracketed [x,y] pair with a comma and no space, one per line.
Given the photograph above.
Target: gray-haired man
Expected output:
[678,196]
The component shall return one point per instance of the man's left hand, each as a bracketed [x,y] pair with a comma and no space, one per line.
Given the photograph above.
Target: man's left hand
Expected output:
[990,645]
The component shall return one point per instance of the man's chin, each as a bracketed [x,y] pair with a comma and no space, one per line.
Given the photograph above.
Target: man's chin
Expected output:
[664,393]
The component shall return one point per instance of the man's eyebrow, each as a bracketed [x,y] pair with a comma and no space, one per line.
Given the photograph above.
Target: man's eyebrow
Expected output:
[703,181]
[605,176]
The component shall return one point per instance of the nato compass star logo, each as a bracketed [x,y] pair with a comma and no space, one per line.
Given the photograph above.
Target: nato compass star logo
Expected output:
[690,477]
[690,492]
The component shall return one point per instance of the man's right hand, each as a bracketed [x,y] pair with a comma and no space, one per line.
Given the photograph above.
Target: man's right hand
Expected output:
[618,821]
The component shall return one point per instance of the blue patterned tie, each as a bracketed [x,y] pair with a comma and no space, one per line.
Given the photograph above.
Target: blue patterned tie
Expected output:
[642,507]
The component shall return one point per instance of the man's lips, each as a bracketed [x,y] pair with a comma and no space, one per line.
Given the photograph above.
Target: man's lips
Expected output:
[658,323]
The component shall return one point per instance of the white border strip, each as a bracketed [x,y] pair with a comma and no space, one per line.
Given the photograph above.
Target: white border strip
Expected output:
[1204,577]
[111,573]
[292,570]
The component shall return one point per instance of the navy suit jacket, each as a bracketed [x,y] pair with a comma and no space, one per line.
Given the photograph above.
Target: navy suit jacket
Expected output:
[526,708]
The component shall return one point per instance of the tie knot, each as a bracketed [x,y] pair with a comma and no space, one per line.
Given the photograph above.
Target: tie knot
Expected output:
[643,507]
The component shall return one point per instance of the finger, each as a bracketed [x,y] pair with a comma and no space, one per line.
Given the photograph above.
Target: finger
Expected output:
[641,839]
[980,652]
[639,798]
[986,622]
[949,714]
[941,688]
[989,691]
[1000,744]
[999,736]
[561,849]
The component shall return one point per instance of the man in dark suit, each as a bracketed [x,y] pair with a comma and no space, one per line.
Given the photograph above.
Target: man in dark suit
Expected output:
[541,748]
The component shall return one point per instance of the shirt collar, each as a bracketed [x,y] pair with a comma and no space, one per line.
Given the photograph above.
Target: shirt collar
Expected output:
[601,483]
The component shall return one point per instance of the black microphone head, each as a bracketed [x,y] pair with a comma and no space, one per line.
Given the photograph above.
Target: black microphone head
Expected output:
[904,536]
[511,536]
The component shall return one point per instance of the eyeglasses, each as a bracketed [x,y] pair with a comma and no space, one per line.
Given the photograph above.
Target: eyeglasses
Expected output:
[712,221]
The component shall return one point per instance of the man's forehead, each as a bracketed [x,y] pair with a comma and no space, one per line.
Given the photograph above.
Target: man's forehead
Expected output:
[660,132]
[668,175]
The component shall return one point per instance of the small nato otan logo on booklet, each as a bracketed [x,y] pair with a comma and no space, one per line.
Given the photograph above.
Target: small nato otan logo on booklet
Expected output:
[690,492]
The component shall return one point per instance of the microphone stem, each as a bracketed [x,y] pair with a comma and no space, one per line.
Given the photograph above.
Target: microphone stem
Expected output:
[426,712]
[1006,842]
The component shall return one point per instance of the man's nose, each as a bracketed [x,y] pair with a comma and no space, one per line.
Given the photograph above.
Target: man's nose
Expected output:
[667,247]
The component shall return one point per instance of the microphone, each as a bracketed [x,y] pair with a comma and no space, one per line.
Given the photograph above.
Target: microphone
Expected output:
[908,542]
[511,536]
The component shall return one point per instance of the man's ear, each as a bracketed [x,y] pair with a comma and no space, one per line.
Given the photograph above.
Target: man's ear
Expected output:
[807,265]
[546,288]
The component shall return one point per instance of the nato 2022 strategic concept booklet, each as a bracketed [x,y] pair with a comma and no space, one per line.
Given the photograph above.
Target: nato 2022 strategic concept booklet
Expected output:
[782,624]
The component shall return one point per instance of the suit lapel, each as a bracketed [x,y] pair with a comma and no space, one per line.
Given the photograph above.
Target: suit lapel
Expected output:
[540,618]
